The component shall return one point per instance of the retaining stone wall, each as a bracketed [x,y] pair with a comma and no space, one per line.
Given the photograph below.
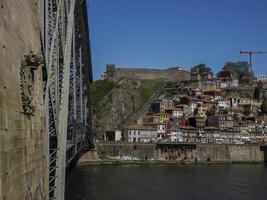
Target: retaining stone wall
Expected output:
[202,152]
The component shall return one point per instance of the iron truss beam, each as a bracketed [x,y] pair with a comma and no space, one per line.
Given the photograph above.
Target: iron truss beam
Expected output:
[67,97]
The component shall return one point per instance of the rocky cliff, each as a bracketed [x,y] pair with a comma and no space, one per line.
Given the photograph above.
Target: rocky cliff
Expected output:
[115,102]
[112,111]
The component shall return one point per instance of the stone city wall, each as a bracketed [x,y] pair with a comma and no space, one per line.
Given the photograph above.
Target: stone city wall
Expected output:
[171,74]
[23,161]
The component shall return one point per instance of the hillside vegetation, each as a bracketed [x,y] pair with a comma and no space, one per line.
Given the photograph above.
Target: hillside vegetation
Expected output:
[99,90]
[147,89]
[139,91]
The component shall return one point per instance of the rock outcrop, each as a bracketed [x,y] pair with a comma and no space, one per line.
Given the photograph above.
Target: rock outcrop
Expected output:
[113,110]
[120,103]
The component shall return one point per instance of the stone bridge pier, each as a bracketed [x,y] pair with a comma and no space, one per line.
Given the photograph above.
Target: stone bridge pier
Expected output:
[45,76]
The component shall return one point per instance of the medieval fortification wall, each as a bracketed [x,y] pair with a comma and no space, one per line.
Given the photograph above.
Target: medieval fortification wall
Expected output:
[23,161]
[170,74]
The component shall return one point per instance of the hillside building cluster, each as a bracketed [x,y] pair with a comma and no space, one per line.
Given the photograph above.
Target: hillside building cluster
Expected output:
[199,111]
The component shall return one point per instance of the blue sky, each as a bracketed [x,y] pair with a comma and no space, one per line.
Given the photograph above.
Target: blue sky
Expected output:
[164,33]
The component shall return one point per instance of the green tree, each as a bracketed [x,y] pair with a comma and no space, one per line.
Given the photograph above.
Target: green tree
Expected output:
[99,89]
[202,68]
[240,69]
[225,111]
[211,111]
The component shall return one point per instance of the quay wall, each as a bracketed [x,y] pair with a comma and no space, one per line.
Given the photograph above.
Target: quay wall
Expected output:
[23,154]
[137,150]
[199,153]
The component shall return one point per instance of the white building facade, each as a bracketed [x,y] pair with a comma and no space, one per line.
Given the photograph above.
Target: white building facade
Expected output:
[141,134]
[262,78]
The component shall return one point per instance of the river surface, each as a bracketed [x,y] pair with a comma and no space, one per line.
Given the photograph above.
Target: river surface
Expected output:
[160,182]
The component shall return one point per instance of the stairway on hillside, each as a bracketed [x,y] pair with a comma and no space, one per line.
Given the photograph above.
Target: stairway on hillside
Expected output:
[145,107]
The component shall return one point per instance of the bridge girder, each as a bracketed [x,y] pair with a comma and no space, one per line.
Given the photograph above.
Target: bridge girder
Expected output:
[67,97]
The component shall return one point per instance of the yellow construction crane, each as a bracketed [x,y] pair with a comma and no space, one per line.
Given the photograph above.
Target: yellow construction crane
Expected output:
[251,53]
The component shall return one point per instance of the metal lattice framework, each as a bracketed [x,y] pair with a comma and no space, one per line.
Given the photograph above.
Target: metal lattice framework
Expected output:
[68,66]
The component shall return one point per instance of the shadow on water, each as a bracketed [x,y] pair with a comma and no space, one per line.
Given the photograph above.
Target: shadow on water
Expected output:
[69,171]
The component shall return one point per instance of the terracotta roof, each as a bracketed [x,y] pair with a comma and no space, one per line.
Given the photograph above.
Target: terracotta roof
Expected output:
[177,109]
[208,102]
[174,129]
[138,126]
[181,105]
[169,109]
[187,127]
[211,127]
[158,114]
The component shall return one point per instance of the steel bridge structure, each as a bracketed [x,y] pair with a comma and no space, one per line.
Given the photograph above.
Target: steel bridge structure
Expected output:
[66,50]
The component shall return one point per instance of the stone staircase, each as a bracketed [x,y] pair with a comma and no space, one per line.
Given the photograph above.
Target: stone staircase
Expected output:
[91,155]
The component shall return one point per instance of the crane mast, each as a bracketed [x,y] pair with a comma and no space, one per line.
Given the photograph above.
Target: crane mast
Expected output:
[251,53]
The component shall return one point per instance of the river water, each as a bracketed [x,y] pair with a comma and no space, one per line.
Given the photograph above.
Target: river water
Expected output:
[160,182]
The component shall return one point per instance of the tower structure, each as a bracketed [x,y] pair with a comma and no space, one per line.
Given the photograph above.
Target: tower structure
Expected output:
[251,53]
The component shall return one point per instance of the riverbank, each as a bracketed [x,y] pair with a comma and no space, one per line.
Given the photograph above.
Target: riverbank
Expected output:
[158,162]
[172,153]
